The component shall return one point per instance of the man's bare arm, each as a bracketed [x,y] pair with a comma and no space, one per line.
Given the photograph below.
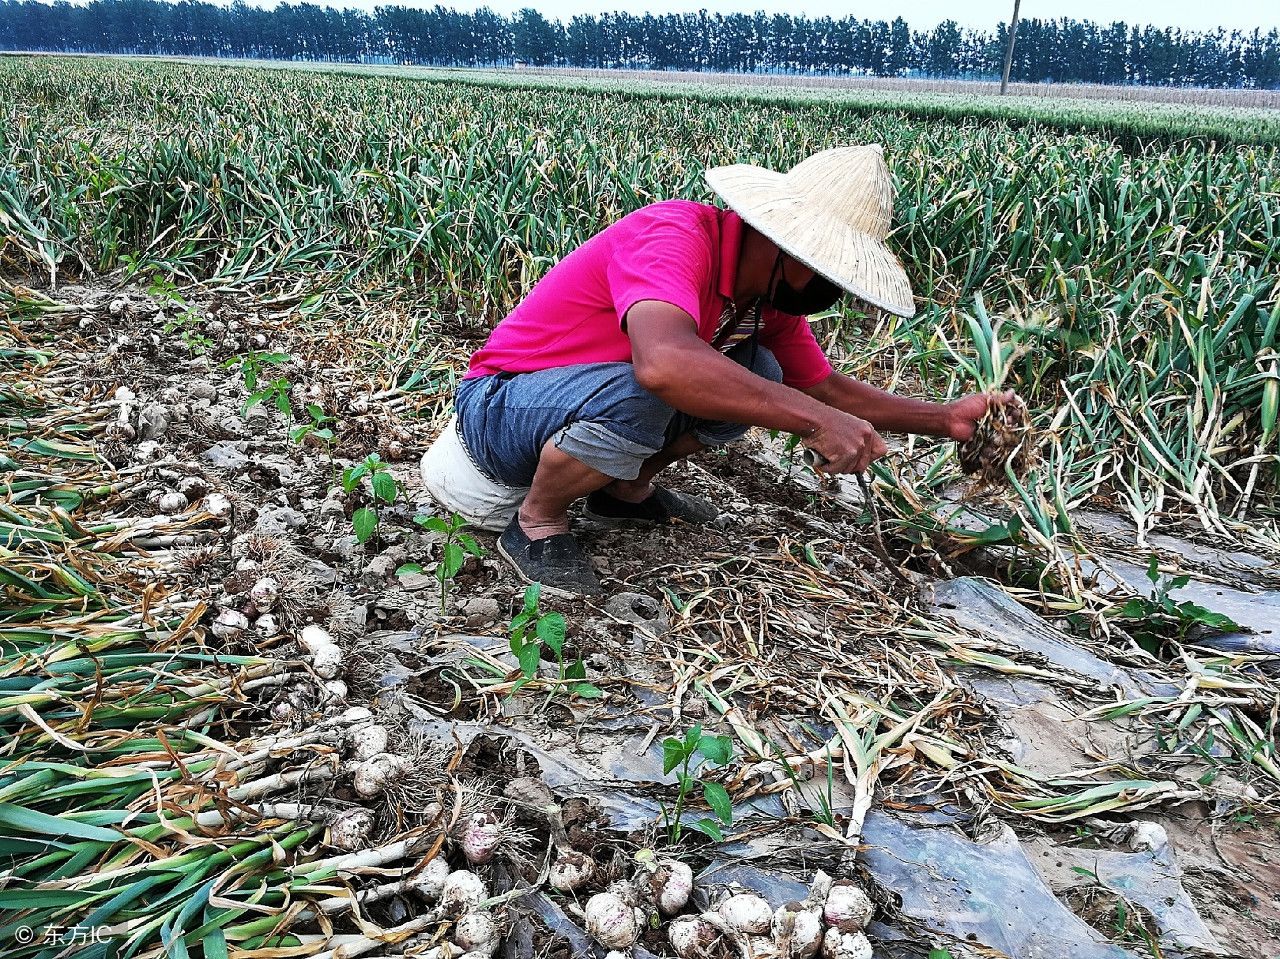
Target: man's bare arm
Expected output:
[675,365]
[900,414]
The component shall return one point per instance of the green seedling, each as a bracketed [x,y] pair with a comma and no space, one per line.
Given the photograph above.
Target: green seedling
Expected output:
[252,366]
[686,755]
[531,630]
[364,521]
[319,428]
[457,545]
[1157,619]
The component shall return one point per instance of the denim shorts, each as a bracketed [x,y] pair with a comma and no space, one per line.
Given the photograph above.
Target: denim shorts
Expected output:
[595,412]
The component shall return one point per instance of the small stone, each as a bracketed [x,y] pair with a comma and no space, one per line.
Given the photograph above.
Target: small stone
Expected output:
[228,455]
[482,610]
[278,520]
[202,390]
[153,421]
[416,582]
[148,451]
[380,568]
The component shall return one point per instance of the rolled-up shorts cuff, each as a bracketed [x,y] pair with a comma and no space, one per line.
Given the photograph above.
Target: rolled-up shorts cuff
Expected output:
[719,434]
[599,447]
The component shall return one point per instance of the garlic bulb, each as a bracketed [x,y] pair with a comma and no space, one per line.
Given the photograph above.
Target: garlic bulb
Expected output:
[746,913]
[283,711]
[848,908]
[172,502]
[572,870]
[230,624]
[692,937]
[312,639]
[477,932]
[216,504]
[672,885]
[429,883]
[367,741]
[463,890]
[845,945]
[336,689]
[800,925]
[481,836]
[266,626]
[327,662]
[372,775]
[350,830]
[264,594]
[192,487]
[611,921]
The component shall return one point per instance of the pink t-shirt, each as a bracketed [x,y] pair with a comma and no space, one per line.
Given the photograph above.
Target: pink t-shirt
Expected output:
[676,251]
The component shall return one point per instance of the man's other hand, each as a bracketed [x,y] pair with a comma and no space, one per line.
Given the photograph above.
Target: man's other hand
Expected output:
[846,443]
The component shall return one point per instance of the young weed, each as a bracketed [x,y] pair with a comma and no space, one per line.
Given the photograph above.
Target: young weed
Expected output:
[686,755]
[457,545]
[1155,620]
[531,629]
[364,521]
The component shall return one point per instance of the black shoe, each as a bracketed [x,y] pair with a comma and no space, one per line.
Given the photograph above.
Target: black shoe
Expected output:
[661,506]
[556,562]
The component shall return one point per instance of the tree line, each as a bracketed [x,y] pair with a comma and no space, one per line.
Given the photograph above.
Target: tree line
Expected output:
[1063,50]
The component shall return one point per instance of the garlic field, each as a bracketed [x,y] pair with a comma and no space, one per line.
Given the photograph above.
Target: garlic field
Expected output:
[262,698]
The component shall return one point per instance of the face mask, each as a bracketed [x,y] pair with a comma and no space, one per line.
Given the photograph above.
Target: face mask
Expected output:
[817,295]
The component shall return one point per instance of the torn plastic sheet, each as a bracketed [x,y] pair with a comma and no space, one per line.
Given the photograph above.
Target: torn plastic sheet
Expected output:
[978,606]
[1150,878]
[985,893]
[974,898]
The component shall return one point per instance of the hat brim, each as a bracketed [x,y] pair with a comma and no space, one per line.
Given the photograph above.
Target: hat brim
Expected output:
[855,261]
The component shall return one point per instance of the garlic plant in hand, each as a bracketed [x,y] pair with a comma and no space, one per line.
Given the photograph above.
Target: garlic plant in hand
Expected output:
[611,921]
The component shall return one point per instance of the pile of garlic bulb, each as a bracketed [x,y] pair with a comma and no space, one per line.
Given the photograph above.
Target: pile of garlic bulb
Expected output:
[461,896]
[829,923]
[660,889]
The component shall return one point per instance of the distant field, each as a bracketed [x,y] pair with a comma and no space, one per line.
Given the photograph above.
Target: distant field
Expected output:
[1200,96]
[1076,108]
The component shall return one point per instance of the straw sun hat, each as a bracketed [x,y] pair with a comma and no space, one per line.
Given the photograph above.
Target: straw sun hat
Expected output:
[831,212]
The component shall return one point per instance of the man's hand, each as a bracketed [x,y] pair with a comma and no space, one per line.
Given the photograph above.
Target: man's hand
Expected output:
[962,415]
[846,443]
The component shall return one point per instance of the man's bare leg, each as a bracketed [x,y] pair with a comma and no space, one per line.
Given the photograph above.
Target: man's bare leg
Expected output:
[559,480]
[640,488]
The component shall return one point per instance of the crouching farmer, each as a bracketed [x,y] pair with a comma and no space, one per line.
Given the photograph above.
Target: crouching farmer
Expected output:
[674,330]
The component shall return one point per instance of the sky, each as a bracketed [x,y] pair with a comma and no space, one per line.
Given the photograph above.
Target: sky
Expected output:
[920,14]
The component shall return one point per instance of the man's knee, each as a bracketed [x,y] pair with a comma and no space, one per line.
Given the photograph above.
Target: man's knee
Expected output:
[764,364]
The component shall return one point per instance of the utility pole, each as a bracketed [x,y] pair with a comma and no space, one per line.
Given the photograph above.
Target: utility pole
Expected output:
[1008,50]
